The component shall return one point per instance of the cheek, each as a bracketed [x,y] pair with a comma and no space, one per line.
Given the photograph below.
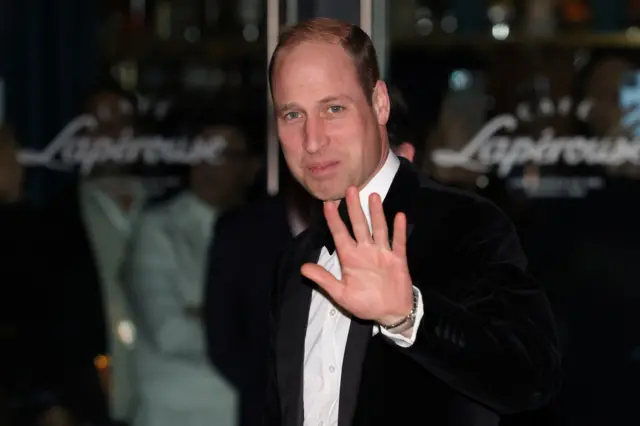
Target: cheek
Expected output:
[291,143]
[347,132]
[351,136]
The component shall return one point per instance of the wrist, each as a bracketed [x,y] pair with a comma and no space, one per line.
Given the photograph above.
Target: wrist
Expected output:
[404,320]
[389,321]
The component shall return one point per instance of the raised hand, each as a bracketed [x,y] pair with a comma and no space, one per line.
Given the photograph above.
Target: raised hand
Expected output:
[375,283]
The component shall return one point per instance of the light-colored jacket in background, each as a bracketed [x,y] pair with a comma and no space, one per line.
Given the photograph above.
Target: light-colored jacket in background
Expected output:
[165,274]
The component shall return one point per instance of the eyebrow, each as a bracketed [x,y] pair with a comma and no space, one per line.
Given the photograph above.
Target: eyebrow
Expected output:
[287,107]
[335,98]
[326,100]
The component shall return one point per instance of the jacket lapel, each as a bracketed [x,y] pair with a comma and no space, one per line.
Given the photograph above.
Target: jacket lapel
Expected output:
[401,195]
[399,199]
[359,334]
[294,314]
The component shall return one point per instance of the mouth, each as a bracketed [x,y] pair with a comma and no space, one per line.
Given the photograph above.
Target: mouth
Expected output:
[322,169]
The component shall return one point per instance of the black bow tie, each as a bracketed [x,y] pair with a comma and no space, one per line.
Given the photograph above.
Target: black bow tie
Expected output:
[327,238]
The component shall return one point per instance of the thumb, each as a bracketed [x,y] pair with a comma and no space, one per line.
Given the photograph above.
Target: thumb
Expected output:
[330,284]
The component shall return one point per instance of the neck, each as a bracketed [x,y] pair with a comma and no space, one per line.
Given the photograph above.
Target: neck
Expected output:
[383,159]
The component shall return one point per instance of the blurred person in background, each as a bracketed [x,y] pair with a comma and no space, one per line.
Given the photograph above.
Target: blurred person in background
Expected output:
[400,127]
[237,298]
[165,275]
[87,376]
[589,247]
[457,123]
[453,130]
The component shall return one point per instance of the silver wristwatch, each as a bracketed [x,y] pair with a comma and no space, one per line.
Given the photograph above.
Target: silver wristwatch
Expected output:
[410,318]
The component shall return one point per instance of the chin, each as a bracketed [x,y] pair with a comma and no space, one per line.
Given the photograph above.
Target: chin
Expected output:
[325,191]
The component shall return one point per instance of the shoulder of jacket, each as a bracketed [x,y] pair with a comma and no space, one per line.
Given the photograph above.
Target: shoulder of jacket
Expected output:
[452,199]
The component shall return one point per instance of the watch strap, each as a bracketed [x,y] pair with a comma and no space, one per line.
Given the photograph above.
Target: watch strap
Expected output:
[411,317]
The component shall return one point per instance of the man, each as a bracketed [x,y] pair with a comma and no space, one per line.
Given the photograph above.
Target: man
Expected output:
[166,278]
[423,313]
[84,237]
[400,129]
[235,314]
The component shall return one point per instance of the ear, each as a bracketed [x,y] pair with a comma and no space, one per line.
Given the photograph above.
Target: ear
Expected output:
[406,150]
[381,102]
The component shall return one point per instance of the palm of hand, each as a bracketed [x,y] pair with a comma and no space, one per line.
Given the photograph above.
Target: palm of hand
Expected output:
[367,272]
[375,283]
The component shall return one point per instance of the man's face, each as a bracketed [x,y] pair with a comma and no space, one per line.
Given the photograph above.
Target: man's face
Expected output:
[114,115]
[332,137]
[113,112]
[224,185]
[604,89]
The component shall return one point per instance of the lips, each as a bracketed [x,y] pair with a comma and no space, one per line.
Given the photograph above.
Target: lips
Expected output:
[318,169]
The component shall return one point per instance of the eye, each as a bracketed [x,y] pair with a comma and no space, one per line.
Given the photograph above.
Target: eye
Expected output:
[335,109]
[292,115]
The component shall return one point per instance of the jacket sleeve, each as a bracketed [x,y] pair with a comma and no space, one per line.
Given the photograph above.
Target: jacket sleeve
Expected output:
[487,329]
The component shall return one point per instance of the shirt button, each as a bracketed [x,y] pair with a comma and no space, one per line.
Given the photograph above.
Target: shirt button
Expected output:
[333,312]
[332,369]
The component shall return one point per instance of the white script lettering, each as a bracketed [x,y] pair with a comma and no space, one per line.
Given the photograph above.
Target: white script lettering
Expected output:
[68,149]
[487,149]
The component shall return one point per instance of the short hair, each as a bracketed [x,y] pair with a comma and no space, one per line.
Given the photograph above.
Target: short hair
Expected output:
[356,43]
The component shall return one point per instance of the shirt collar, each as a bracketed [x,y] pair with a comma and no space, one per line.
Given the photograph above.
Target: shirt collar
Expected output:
[380,183]
[101,191]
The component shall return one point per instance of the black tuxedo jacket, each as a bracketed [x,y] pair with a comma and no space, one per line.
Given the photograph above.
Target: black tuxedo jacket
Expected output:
[486,344]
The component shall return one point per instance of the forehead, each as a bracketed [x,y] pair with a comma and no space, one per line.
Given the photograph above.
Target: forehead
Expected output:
[314,68]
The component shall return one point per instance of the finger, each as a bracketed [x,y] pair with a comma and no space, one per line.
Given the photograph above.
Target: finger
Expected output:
[400,235]
[330,284]
[338,229]
[378,221]
[358,219]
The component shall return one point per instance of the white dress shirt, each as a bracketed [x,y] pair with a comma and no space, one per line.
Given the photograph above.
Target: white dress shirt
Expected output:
[328,325]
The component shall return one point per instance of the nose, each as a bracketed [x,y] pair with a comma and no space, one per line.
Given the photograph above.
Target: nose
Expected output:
[315,136]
